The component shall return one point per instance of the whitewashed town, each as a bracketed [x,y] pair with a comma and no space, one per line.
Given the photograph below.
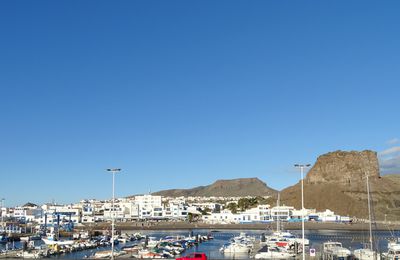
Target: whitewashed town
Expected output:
[212,210]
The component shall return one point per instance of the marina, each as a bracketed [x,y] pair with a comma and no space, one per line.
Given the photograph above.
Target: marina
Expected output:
[172,244]
[197,130]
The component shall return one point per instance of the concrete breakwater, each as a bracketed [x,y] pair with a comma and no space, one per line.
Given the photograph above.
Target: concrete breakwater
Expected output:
[252,226]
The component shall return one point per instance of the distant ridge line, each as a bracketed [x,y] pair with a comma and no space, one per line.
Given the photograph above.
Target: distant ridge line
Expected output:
[224,188]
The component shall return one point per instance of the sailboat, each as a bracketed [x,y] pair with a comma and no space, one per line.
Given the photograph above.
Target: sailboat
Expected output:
[282,238]
[367,253]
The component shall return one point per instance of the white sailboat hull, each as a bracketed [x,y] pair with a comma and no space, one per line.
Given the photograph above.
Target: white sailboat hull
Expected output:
[55,242]
[366,254]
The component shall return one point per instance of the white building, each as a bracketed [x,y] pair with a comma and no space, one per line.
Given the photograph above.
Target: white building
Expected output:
[149,206]
[223,217]
[52,214]
[328,216]
[281,212]
[27,214]
[297,214]
[214,207]
[175,210]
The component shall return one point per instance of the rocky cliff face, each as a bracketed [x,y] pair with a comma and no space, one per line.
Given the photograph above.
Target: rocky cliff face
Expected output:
[337,182]
[344,167]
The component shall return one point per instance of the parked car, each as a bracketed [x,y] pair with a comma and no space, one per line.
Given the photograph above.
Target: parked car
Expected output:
[196,256]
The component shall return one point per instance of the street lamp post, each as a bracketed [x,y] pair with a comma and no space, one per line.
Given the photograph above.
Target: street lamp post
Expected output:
[113,171]
[302,166]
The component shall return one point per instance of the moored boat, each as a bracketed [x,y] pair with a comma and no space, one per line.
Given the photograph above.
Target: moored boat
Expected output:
[393,250]
[48,241]
[335,250]
[366,254]
[273,253]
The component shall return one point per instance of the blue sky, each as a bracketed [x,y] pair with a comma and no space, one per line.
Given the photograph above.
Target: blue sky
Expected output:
[181,93]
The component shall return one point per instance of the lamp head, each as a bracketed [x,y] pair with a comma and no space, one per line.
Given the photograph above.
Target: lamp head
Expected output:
[114,170]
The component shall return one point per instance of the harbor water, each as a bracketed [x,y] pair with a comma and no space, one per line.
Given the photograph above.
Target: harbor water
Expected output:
[350,239]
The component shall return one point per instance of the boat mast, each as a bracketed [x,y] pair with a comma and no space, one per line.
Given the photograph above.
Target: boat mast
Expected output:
[278,228]
[369,214]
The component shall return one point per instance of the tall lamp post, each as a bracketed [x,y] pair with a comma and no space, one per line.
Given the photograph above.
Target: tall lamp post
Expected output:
[302,166]
[113,171]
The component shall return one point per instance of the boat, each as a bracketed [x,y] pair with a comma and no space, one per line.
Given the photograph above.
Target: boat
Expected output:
[239,244]
[367,253]
[30,238]
[145,253]
[49,241]
[30,254]
[131,248]
[393,250]
[107,254]
[150,242]
[268,252]
[283,239]
[273,241]
[122,240]
[235,248]
[335,250]
[291,237]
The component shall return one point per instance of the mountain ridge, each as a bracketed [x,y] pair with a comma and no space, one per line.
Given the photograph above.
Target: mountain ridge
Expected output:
[224,188]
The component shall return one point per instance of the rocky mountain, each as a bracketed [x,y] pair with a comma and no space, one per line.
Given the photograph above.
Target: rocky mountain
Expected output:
[225,188]
[340,166]
[337,182]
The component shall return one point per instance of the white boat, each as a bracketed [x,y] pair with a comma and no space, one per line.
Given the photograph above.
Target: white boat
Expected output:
[366,254]
[30,238]
[335,250]
[393,251]
[235,248]
[281,238]
[277,241]
[26,239]
[107,254]
[151,242]
[273,253]
[122,240]
[145,253]
[30,255]
[58,242]
[291,237]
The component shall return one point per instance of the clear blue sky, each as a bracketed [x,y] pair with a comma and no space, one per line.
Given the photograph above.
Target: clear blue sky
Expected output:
[182,93]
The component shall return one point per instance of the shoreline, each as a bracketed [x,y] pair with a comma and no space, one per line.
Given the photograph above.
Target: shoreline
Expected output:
[128,226]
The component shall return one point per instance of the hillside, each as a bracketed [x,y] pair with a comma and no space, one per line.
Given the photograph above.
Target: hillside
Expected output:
[337,182]
[225,188]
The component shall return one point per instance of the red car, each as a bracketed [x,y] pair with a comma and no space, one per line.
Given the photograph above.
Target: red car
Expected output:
[194,256]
